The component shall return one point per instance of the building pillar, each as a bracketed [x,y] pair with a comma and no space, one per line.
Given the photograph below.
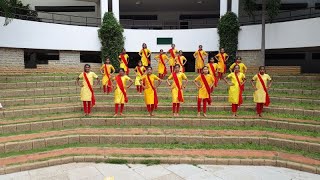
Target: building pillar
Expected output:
[103,8]
[235,7]
[116,9]
[223,7]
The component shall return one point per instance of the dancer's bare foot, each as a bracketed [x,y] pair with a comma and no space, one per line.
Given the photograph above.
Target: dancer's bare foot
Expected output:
[121,114]
[259,115]
[199,114]
[177,114]
[204,114]
[115,115]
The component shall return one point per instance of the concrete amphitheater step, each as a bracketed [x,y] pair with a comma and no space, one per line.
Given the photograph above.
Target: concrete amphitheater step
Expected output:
[64,77]
[160,122]
[20,111]
[119,139]
[143,156]
[35,135]
[25,92]
[310,104]
[20,85]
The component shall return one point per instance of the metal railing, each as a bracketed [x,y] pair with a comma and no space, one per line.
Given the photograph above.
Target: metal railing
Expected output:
[57,18]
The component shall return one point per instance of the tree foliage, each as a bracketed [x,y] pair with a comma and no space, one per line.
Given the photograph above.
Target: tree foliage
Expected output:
[228,30]
[111,38]
[272,9]
[16,9]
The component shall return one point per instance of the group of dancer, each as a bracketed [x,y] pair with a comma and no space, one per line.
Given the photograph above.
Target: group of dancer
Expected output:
[147,82]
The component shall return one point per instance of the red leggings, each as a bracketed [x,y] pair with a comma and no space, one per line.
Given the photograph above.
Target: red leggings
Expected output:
[161,76]
[116,107]
[107,89]
[234,107]
[171,68]
[220,75]
[139,89]
[150,107]
[87,107]
[204,105]
[175,107]
[259,108]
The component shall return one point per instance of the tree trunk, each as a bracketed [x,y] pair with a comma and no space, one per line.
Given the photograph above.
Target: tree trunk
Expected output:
[263,33]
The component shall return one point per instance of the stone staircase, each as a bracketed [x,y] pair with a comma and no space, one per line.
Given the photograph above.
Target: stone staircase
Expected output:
[43,125]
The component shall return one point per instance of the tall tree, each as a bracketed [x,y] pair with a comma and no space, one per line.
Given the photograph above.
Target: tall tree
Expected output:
[269,8]
[111,38]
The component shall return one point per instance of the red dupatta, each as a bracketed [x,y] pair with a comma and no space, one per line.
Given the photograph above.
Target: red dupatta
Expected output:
[155,96]
[180,62]
[121,86]
[107,74]
[93,100]
[125,62]
[206,84]
[164,64]
[265,90]
[241,88]
[224,61]
[139,70]
[176,81]
[199,52]
[214,74]
[145,54]
[172,53]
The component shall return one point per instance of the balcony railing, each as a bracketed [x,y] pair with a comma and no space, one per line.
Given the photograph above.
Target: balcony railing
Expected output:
[155,24]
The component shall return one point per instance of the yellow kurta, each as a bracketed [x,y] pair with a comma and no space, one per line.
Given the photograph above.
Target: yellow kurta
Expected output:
[235,89]
[175,90]
[118,95]
[144,59]
[203,93]
[215,66]
[221,63]
[243,67]
[122,65]
[160,65]
[199,61]
[172,59]
[259,96]
[105,78]
[138,75]
[148,91]
[182,59]
[85,92]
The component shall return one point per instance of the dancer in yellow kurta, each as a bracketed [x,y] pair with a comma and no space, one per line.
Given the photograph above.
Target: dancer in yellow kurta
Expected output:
[173,53]
[107,71]
[177,87]
[181,61]
[140,70]
[222,59]
[162,61]
[124,61]
[120,93]
[243,67]
[200,55]
[87,93]
[206,84]
[213,70]
[145,54]
[238,80]
[261,95]
[150,90]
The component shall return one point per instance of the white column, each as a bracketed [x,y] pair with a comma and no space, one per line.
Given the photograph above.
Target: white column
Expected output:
[223,7]
[116,9]
[103,7]
[235,7]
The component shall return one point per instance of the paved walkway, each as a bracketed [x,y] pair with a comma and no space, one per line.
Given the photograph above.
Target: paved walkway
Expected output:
[91,171]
